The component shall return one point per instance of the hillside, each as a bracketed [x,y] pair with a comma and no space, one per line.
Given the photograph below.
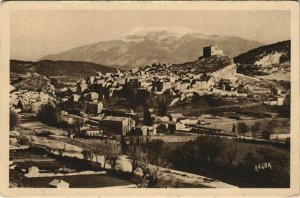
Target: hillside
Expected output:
[204,65]
[145,47]
[34,82]
[268,62]
[58,68]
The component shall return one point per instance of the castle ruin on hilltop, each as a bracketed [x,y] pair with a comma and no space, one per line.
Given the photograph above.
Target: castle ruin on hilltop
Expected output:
[211,51]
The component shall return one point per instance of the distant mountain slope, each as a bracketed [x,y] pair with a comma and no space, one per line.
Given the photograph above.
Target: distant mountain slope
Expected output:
[145,47]
[59,68]
[269,62]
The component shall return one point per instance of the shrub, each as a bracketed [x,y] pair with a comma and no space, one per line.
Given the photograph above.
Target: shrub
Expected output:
[277,175]
[48,114]
[23,140]
[13,120]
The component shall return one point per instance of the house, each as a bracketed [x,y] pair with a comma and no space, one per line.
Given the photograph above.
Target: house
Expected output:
[167,85]
[67,118]
[33,171]
[279,136]
[162,119]
[211,51]
[276,91]
[93,107]
[91,131]
[118,125]
[175,117]
[57,183]
[189,121]
[92,96]
[149,130]
[275,101]
[280,100]
[180,126]
[75,97]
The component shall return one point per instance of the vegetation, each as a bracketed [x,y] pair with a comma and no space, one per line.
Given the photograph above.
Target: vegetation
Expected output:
[59,68]
[163,106]
[148,121]
[49,114]
[23,140]
[13,120]
[109,149]
[143,154]
[242,128]
[219,156]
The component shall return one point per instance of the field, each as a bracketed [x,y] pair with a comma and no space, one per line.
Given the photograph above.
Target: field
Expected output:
[39,158]
[78,181]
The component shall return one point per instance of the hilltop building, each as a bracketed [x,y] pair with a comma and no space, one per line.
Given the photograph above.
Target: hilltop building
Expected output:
[211,51]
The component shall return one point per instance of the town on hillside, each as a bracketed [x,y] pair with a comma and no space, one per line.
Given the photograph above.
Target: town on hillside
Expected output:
[199,124]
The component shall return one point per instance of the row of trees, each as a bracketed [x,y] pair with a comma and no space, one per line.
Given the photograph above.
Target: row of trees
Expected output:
[110,149]
[258,128]
[144,156]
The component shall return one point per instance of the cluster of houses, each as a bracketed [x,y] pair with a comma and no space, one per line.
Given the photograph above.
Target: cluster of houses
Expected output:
[117,126]
[276,98]
[157,79]
[24,100]
[29,93]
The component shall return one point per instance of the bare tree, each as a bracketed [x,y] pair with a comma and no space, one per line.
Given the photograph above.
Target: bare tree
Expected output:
[112,150]
[134,152]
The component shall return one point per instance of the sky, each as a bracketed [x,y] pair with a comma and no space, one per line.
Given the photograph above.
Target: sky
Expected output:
[34,34]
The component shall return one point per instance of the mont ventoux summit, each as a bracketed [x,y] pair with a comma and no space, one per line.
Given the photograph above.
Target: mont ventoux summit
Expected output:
[143,46]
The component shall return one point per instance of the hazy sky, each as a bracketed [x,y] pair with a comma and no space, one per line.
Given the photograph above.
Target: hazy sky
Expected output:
[35,34]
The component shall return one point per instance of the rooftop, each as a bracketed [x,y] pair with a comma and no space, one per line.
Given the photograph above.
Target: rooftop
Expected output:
[57,182]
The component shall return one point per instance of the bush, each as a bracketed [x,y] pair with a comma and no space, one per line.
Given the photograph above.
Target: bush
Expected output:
[48,114]
[13,120]
[277,175]
[23,140]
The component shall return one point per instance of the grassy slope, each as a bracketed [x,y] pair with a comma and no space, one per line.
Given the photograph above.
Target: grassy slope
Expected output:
[59,68]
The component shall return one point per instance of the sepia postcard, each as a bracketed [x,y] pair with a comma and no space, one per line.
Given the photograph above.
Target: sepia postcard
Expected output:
[187,98]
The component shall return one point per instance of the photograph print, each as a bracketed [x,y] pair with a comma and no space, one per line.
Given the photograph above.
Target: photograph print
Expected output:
[151,98]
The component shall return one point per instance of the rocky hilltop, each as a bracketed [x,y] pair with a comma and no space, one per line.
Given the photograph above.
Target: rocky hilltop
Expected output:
[144,47]
[270,61]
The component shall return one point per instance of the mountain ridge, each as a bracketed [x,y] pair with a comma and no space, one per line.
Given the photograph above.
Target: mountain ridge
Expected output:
[153,47]
[58,68]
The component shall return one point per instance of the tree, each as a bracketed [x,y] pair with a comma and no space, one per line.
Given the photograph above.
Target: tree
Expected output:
[87,154]
[13,120]
[23,140]
[230,151]
[111,153]
[242,128]
[155,152]
[233,128]
[134,152]
[76,127]
[148,121]
[48,114]
[93,147]
[266,135]
[256,128]
[163,106]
